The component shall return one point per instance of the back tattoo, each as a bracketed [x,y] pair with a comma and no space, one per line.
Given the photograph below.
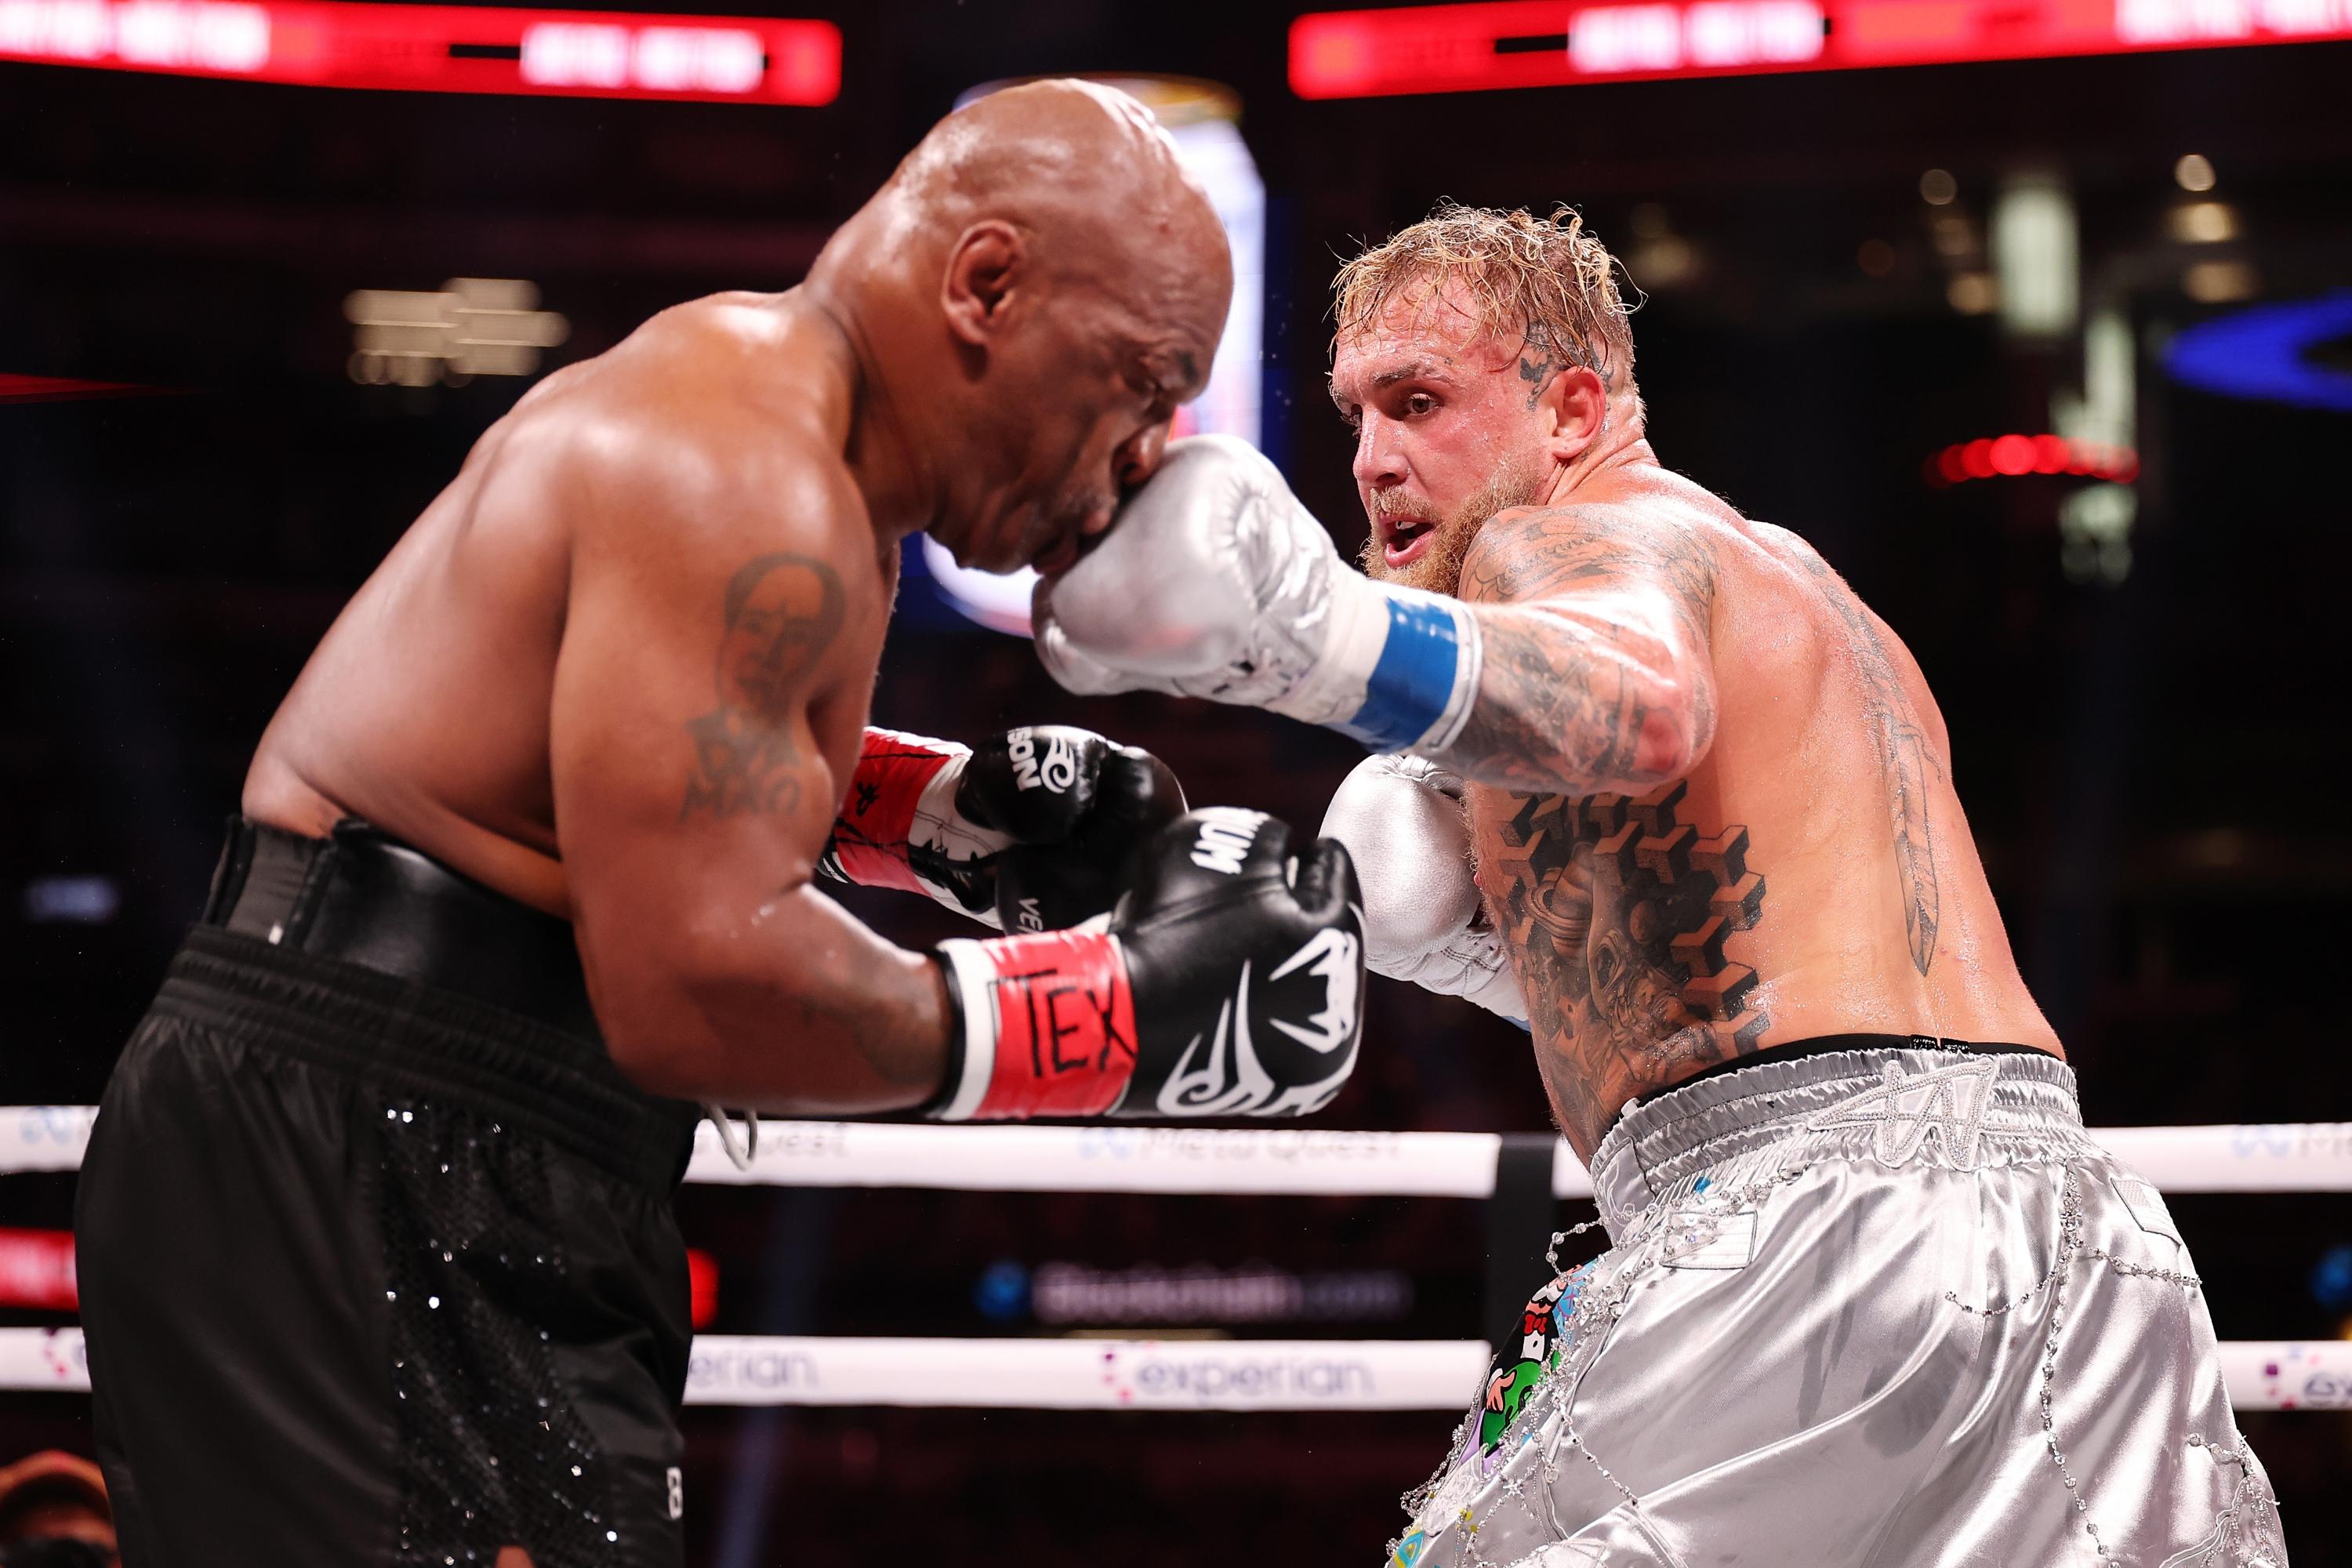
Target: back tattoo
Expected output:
[1904,758]
[1618,910]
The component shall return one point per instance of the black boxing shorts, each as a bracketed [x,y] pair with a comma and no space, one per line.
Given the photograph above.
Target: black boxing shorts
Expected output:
[376,1268]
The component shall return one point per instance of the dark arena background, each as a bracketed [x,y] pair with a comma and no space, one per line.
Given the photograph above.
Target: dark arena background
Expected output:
[2039,327]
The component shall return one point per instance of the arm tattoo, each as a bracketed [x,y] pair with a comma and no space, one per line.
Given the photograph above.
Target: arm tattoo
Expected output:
[1565,703]
[1904,758]
[783,613]
[1615,904]
[1551,709]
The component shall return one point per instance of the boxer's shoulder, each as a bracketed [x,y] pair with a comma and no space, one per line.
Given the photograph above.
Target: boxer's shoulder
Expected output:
[1787,550]
[729,384]
[1803,577]
[686,337]
[669,460]
[1534,552]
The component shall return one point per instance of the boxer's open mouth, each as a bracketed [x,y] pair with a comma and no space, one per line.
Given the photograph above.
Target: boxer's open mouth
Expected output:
[1405,540]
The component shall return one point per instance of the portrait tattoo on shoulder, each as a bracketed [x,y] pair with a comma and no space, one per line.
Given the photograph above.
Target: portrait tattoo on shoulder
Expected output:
[783,613]
[1904,758]
[1618,910]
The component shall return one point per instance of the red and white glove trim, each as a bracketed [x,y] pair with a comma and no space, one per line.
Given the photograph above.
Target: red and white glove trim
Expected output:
[1046,1024]
[901,801]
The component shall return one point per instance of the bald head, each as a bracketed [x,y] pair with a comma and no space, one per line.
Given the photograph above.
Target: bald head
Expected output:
[1005,143]
[1035,289]
[1092,180]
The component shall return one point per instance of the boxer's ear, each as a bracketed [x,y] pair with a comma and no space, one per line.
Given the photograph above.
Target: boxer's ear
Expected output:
[989,262]
[1575,409]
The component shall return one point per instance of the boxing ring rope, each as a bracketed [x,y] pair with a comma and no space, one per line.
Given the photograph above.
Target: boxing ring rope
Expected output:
[1088,1373]
[1160,1374]
[1276,1162]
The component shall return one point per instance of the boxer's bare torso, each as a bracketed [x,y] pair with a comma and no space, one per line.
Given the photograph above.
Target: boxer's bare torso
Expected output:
[429,707]
[619,667]
[1813,873]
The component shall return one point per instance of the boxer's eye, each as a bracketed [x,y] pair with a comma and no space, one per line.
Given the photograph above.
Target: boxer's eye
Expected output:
[1417,403]
[1152,391]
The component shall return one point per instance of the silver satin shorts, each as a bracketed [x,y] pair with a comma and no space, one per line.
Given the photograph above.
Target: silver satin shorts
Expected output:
[1883,1307]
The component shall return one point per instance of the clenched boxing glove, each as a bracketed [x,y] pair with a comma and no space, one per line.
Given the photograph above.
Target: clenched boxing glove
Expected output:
[1227,985]
[1032,831]
[1214,582]
[1400,818]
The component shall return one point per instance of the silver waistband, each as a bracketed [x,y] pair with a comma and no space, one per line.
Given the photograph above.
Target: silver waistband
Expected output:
[1958,1108]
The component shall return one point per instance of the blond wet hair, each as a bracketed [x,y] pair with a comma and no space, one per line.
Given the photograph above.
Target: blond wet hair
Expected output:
[1530,281]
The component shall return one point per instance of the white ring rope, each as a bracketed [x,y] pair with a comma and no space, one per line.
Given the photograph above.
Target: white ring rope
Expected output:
[1220,1375]
[1161,1374]
[2252,1157]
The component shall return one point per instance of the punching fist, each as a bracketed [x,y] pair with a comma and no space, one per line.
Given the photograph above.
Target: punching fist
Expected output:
[1400,818]
[1214,582]
[1032,831]
[1227,985]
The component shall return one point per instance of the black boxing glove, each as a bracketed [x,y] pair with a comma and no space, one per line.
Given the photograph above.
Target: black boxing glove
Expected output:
[1031,831]
[1078,809]
[1228,985]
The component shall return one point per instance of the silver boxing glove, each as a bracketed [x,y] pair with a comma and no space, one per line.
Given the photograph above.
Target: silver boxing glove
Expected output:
[1400,818]
[1214,582]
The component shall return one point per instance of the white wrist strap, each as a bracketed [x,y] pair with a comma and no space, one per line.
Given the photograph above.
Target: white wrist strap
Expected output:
[968,976]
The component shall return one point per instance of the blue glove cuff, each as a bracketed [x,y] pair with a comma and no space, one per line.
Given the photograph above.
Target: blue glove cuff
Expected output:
[1420,689]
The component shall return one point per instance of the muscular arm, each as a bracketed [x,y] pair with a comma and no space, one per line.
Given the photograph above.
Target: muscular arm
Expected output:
[721,624]
[1596,673]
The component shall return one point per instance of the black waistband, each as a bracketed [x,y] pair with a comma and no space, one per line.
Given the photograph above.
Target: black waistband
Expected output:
[363,897]
[1822,1045]
[367,956]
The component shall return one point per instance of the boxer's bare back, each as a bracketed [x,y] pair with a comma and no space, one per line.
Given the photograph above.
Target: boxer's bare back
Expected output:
[1812,874]
[618,669]
[430,707]
[1765,846]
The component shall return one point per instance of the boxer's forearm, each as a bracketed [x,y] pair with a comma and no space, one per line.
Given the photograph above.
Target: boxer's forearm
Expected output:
[1595,672]
[800,1010]
[1567,707]
[1573,660]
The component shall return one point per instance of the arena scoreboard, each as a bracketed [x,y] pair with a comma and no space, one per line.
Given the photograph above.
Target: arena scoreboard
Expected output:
[1543,42]
[437,48]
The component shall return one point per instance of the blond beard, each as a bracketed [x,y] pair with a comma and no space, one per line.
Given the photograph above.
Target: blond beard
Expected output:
[1439,569]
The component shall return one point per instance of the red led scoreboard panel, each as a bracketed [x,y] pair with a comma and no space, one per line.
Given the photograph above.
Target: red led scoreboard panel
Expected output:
[1543,43]
[437,48]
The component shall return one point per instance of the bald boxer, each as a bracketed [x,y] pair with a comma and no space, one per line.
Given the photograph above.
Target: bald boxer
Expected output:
[1659,785]
[376,1258]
